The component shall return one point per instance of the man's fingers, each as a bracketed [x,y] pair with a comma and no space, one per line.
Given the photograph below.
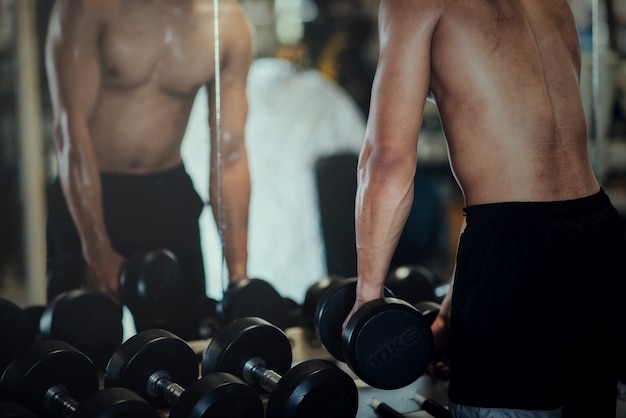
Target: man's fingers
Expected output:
[442,370]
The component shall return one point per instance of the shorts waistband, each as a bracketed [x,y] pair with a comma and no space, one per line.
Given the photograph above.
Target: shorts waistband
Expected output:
[174,172]
[596,204]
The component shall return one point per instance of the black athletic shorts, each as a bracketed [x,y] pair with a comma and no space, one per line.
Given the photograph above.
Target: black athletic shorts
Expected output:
[538,309]
[142,212]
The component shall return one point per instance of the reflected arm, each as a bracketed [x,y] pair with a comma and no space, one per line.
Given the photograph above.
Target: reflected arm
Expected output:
[74,77]
[232,211]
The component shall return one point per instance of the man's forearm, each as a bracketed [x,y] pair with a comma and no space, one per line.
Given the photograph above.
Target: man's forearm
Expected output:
[80,180]
[234,215]
[383,203]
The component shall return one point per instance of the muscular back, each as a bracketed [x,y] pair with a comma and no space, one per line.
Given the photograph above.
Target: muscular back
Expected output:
[505,75]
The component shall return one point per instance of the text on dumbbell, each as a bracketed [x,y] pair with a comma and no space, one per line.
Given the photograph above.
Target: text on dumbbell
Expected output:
[390,350]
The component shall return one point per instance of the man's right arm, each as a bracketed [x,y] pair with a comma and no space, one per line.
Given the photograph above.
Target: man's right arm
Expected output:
[74,75]
[232,211]
[388,157]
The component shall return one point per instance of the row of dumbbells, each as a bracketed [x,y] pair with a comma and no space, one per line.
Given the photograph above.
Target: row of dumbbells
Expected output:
[155,369]
[92,323]
[329,305]
[152,286]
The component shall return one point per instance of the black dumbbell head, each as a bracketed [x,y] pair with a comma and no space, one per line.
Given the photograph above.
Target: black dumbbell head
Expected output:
[218,395]
[312,389]
[115,403]
[15,410]
[44,365]
[34,313]
[294,313]
[429,310]
[65,274]
[412,283]
[209,325]
[253,298]
[388,343]
[312,297]
[148,352]
[86,319]
[16,332]
[244,339]
[152,284]
[332,309]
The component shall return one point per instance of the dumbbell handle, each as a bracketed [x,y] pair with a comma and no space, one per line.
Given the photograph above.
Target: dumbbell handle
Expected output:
[384,410]
[160,385]
[431,406]
[58,400]
[255,371]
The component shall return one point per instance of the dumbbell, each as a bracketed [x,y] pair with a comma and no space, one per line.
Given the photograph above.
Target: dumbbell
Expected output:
[15,410]
[415,283]
[302,315]
[34,313]
[294,313]
[151,282]
[86,319]
[428,309]
[387,343]
[54,379]
[210,322]
[431,406]
[312,297]
[16,332]
[260,353]
[163,369]
[247,297]
[252,297]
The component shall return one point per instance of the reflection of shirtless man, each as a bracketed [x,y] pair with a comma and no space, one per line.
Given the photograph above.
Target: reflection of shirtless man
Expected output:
[123,76]
[532,321]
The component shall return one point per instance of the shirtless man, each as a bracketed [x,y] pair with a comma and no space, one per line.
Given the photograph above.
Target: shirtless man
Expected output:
[123,76]
[532,319]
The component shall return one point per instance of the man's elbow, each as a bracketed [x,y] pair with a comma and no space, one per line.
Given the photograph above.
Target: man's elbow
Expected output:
[233,150]
[385,162]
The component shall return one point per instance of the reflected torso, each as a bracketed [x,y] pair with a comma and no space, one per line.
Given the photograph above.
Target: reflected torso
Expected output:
[505,77]
[154,56]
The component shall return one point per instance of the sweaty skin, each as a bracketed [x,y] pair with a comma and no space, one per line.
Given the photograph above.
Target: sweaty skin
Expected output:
[505,78]
[123,77]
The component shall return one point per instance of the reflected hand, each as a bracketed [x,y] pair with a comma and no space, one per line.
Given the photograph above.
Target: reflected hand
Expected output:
[234,279]
[103,275]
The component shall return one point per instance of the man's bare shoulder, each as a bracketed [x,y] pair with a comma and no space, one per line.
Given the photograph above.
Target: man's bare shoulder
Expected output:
[407,22]
[415,10]
[230,13]
[235,27]
[85,9]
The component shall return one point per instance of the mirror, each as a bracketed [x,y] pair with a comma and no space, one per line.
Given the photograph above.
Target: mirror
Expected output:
[308,95]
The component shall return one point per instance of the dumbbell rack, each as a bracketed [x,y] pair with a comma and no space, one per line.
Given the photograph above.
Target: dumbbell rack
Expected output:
[306,346]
